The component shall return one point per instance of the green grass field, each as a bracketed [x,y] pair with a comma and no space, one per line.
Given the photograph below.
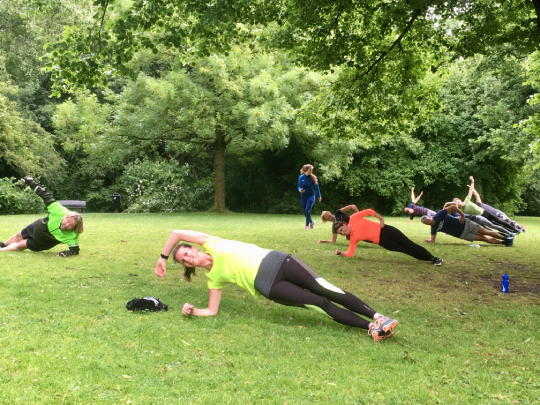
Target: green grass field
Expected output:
[66,337]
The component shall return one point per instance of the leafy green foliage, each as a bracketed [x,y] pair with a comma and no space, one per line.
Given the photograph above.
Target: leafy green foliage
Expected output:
[16,198]
[25,148]
[236,104]
[161,186]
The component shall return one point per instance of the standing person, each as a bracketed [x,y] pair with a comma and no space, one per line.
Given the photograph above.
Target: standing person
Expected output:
[276,275]
[339,215]
[468,207]
[308,186]
[462,228]
[415,210]
[61,226]
[386,236]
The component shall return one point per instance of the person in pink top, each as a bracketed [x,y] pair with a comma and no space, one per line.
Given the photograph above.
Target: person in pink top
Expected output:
[361,229]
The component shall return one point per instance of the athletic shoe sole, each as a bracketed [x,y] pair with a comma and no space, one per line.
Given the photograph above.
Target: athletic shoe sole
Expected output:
[387,324]
[379,334]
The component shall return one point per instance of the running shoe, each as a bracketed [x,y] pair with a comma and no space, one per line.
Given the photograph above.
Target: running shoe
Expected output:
[508,241]
[312,225]
[307,227]
[523,229]
[377,333]
[386,324]
[2,245]
[437,261]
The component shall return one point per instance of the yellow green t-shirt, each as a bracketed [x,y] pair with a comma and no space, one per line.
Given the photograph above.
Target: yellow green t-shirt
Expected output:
[471,208]
[234,262]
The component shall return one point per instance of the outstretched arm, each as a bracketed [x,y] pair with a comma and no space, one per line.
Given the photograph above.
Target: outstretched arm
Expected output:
[176,236]
[349,208]
[214,298]
[334,239]
[73,251]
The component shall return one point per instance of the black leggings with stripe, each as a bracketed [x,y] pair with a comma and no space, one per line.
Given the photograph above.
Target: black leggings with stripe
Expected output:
[296,284]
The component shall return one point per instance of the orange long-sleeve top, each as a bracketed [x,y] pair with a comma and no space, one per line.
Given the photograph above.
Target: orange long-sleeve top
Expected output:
[363,230]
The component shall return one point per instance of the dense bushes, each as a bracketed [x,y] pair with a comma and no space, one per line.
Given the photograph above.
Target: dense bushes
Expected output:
[17,198]
[163,186]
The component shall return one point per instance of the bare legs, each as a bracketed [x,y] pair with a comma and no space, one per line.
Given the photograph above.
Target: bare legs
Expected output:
[483,235]
[16,242]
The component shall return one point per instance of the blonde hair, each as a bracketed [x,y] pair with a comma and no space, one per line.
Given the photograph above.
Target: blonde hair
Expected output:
[79,228]
[323,214]
[307,168]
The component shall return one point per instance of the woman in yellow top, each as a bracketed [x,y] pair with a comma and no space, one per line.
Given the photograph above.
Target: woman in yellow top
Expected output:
[276,275]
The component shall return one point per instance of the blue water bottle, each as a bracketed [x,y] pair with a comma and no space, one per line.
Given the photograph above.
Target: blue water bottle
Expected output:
[504,283]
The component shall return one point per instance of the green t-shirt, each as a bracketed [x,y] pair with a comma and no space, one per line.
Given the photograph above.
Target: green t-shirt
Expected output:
[234,262]
[471,208]
[57,212]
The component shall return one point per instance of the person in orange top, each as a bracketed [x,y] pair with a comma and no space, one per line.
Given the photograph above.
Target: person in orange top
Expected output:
[386,236]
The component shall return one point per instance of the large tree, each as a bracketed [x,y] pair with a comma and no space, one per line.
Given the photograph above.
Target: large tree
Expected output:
[241,102]
[381,50]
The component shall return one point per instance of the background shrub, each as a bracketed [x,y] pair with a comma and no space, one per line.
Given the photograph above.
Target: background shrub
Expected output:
[16,198]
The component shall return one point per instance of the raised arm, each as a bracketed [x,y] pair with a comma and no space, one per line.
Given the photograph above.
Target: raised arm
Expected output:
[349,208]
[214,299]
[176,236]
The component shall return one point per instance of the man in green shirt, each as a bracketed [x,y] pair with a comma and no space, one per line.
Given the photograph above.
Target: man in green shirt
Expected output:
[61,226]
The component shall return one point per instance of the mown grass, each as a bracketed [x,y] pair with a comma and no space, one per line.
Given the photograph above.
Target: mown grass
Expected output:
[66,337]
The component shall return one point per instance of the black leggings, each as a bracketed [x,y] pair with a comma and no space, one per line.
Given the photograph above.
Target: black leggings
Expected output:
[499,214]
[296,284]
[393,239]
[496,220]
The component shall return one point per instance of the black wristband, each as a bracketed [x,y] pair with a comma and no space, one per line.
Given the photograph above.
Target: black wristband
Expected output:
[164,257]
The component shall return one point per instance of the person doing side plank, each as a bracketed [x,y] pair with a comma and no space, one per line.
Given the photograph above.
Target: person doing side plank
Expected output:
[275,275]
[61,226]
[415,210]
[499,214]
[462,228]
[480,220]
[339,215]
[386,236]
[468,207]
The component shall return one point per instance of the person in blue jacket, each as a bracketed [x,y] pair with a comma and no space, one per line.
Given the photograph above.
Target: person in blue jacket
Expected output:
[308,186]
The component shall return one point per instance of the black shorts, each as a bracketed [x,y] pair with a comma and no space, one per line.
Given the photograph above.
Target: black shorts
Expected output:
[28,234]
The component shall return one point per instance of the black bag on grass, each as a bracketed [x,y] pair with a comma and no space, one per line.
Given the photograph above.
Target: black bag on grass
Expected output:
[146,303]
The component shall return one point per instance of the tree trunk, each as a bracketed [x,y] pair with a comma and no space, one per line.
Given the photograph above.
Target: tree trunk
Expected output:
[219,170]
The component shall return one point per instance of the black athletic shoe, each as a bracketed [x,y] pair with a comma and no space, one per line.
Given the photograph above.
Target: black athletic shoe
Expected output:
[508,241]
[437,261]
[2,245]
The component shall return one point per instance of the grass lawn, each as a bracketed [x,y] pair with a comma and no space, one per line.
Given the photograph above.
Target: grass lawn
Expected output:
[66,337]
